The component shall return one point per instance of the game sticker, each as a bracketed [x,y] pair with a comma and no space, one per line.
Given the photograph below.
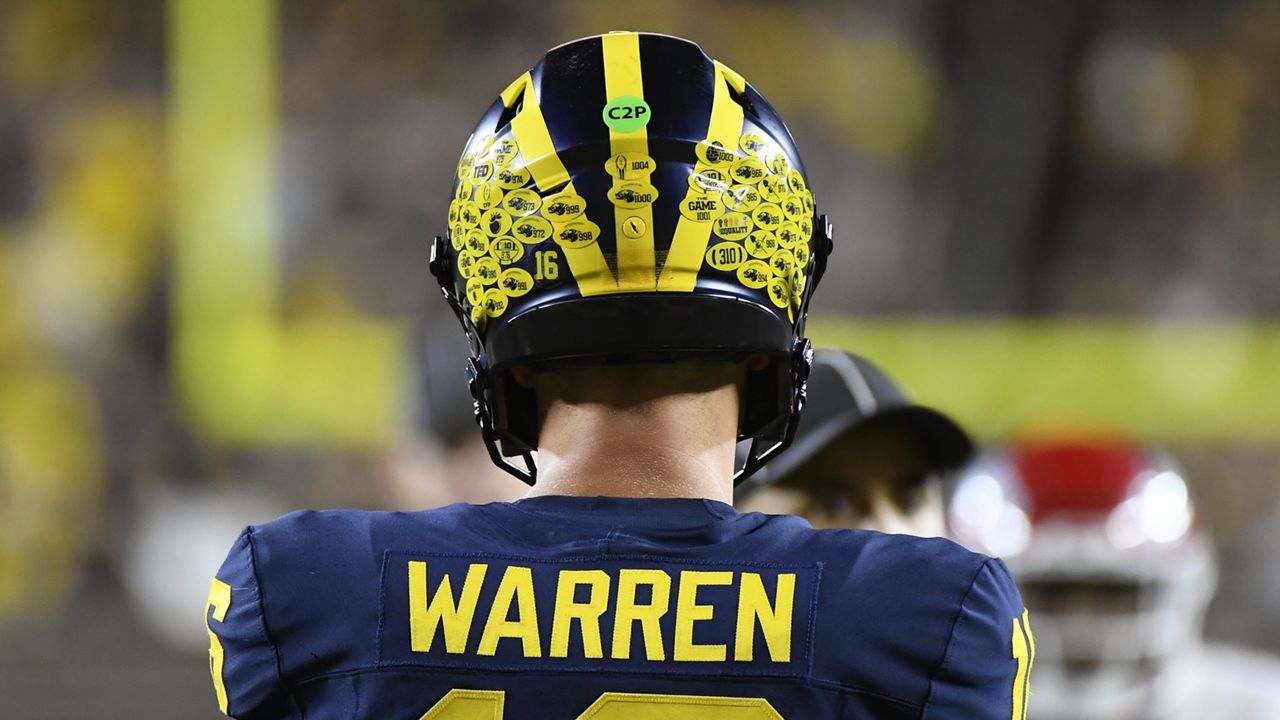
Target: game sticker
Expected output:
[779,293]
[701,206]
[708,179]
[495,222]
[486,269]
[767,216]
[467,162]
[495,303]
[522,202]
[476,242]
[778,164]
[801,251]
[783,262]
[630,165]
[732,226]
[488,196]
[748,171]
[475,291]
[753,143]
[754,274]
[513,177]
[742,198]
[481,173]
[762,243]
[713,152]
[469,215]
[506,249]
[466,264]
[578,234]
[796,181]
[773,188]
[788,234]
[793,207]
[563,207]
[633,195]
[504,151]
[514,282]
[726,256]
[531,230]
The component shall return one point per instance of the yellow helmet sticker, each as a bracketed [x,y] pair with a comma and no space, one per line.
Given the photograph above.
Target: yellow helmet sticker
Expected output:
[486,269]
[626,114]
[514,282]
[513,177]
[801,252]
[773,188]
[467,162]
[466,264]
[578,234]
[504,151]
[779,292]
[469,214]
[702,206]
[475,291]
[742,198]
[495,303]
[522,202]
[754,274]
[456,233]
[796,181]
[481,172]
[783,262]
[713,152]
[762,243]
[767,216]
[752,143]
[563,207]
[495,222]
[506,250]
[748,171]
[793,207]
[789,234]
[726,256]
[630,166]
[532,230]
[633,195]
[733,226]
[708,179]
[476,243]
[488,195]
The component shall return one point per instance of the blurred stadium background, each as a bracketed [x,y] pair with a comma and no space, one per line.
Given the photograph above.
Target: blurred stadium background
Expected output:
[214,304]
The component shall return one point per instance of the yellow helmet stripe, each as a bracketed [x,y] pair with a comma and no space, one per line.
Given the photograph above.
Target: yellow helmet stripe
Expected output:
[637,269]
[539,153]
[680,273]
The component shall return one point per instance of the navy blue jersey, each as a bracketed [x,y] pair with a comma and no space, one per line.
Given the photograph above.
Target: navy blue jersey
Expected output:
[560,608]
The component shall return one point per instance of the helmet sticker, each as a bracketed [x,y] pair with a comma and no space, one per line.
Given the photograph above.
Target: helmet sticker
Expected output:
[630,166]
[713,152]
[783,263]
[522,202]
[532,230]
[732,226]
[503,152]
[762,243]
[514,282]
[495,303]
[748,171]
[563,207]
[506,250]
[702,206]
[633,195]
[779,292]
[513,177]
[476,243]
[767,216]
[488,195]
[626,114]
[742,198]
[708,179]
[754,274]
[773,188]
[578,234]
[486,268]
[789,235]
[495,222]
[726,256]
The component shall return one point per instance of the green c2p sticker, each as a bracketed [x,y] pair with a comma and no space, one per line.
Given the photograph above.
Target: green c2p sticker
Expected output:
[626,113]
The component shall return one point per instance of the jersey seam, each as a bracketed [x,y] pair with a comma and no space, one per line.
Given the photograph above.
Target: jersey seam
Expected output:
[266,629]
[951,637]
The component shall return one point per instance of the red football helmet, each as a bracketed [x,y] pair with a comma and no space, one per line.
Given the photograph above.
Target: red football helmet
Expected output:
[1103,538]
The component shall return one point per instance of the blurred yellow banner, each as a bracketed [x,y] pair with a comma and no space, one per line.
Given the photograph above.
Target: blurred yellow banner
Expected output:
[1162,381]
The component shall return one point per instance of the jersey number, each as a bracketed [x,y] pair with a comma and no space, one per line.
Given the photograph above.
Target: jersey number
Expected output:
[1024,651]
[219,603]
[488,705]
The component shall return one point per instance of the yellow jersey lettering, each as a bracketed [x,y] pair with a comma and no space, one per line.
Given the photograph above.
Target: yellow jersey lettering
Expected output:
[516,588]
[774,620]
[689,612]
[587,613]
[427,615]
[628,612]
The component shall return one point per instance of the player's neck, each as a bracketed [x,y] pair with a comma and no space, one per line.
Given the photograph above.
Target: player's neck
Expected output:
[674,446]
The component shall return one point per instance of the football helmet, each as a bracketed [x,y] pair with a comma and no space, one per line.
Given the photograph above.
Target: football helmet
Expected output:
[627,200]
[1103,539]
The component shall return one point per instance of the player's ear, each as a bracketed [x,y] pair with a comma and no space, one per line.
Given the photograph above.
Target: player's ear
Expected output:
[523,376]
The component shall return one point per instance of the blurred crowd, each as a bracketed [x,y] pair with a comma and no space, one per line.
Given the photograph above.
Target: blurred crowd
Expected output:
[994,159]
